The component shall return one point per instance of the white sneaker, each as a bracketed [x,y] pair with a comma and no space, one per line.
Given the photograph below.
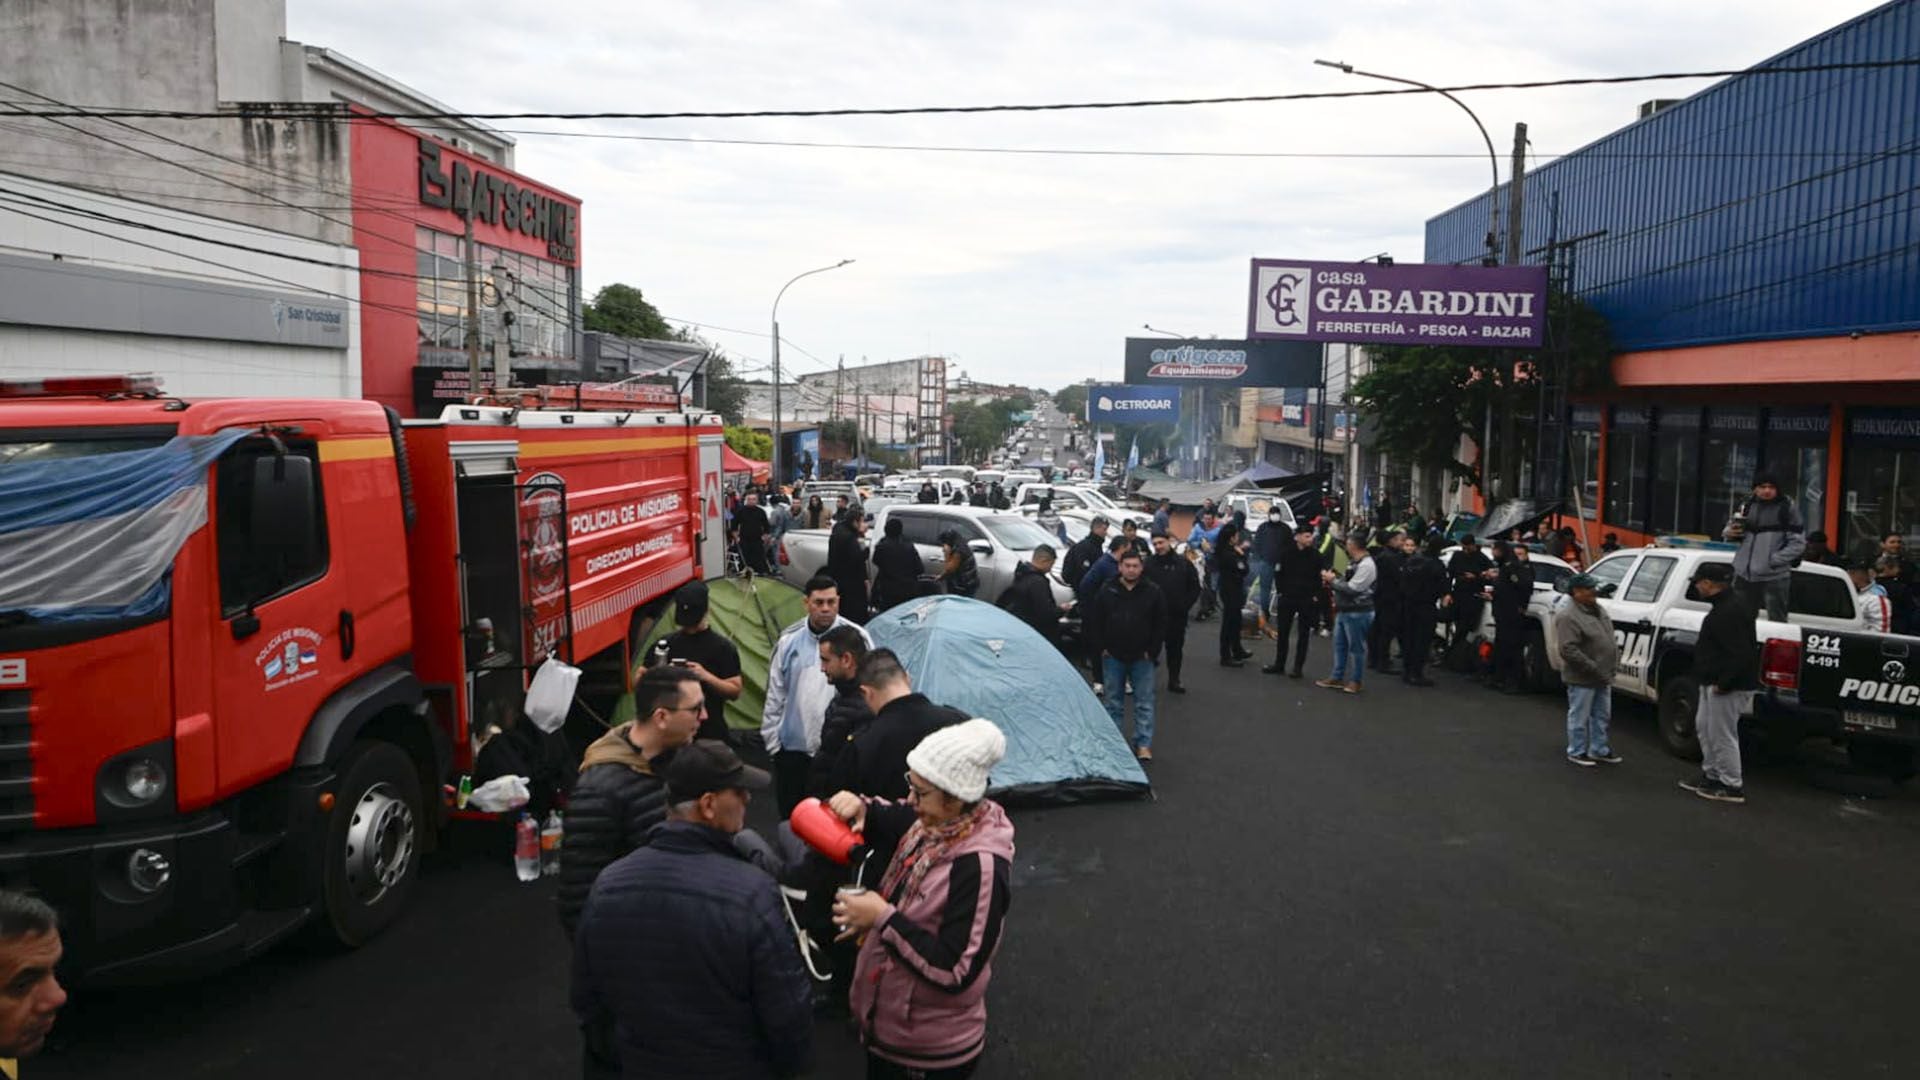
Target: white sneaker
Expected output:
[1098,689]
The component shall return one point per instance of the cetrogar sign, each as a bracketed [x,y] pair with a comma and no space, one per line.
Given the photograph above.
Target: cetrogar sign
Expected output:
[1500,306]
[1113,404]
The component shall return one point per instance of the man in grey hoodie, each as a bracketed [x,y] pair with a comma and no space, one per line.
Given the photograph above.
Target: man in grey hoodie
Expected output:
[1772,537]
[1588,657]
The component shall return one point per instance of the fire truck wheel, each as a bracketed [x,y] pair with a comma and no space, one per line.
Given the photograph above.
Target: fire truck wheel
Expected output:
[373,842]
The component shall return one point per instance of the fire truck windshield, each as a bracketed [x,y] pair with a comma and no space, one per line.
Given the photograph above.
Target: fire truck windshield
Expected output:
[24,628]
[44,446]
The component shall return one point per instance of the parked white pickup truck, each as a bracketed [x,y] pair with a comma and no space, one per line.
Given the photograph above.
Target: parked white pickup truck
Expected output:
[1000,540]
[1656,620]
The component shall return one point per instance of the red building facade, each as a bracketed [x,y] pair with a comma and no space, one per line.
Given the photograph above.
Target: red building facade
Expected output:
[413,196]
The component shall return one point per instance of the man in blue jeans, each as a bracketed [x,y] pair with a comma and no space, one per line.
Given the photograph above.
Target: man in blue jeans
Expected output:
[1588,659]
[1352,618]
[1125,625]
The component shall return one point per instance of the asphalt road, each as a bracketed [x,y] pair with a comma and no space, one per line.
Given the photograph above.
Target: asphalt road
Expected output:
[1407,883]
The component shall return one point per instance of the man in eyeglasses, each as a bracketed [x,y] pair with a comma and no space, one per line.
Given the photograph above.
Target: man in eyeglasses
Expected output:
[619,796]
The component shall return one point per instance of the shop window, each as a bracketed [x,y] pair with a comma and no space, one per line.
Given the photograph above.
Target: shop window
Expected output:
[1882,479]
[1675,503]
[1627,468]
[1796,454]
[1586,464]
[1729,457]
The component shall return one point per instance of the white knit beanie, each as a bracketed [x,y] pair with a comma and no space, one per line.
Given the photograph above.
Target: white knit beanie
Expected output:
[957,759]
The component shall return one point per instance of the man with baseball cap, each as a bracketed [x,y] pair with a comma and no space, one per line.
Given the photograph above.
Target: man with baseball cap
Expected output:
[684,952]
[706,654]
[1726,661]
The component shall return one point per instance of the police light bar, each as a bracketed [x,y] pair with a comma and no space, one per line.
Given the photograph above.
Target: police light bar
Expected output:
[80,386]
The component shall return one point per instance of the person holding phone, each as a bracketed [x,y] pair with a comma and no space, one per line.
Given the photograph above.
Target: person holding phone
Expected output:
[706,654]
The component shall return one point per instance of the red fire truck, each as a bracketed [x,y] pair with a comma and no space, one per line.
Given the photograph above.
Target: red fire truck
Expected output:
[260,740]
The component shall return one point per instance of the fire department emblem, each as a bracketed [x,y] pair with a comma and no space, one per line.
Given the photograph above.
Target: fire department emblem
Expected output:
[542,517]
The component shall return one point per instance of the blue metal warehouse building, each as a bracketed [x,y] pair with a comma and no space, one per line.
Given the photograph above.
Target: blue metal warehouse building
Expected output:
[1760,270]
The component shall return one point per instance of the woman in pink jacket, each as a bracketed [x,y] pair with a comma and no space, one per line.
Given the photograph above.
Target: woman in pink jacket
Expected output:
[928,934]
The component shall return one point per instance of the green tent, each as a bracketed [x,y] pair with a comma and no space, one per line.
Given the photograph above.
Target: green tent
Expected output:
[751,613]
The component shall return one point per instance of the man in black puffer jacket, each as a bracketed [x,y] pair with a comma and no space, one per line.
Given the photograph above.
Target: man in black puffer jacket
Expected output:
[684,955]
[1030,597]
[618,797]
[841,650]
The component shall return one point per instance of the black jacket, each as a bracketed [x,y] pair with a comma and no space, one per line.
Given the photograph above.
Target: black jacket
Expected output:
[847,560]
[1030,599]
[897,569]
[1079,558]
[1178,582]
[1465,569]
[1512,589]
[927,495]
[1726,656]
[1127,623]
[1386,587]
[1423,581]
[1271,541]
[1231,564]
[962,578]
[684,947]
[875,761]
[847,715]
[615,802]
[1296,575]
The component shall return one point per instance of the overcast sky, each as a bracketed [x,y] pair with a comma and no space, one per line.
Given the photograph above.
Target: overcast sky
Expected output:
[1022,268]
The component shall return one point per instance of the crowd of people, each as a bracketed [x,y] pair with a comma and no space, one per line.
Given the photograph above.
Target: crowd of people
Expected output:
[698,941]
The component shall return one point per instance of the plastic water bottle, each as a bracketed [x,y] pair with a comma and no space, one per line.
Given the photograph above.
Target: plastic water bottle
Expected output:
[526,848]
[551,837]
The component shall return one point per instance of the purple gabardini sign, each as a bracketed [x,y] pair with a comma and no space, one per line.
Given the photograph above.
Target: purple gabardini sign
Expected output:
[1421,304]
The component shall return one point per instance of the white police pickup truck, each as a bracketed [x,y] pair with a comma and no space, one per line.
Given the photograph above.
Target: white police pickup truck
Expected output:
[1861,688]
[1648,593]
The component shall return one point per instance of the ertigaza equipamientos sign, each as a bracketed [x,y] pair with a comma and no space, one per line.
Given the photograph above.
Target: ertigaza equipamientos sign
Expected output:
[1110,403]
[1219,362]
[1421,304]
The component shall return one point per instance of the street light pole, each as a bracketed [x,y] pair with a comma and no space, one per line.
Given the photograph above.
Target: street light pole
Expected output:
[774,464]
[1493,159]
[1492,257]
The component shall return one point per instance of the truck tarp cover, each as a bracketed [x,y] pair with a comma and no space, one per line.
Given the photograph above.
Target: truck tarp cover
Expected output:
[94,537]
[751,615]
[1061,745]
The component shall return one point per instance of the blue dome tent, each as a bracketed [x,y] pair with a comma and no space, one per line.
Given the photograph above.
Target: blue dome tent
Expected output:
[1061,745]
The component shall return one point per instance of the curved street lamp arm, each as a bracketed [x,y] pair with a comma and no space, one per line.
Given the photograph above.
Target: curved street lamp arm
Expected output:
[810,273]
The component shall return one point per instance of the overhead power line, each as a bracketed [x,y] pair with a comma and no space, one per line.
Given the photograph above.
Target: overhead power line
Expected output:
[1059,151]
[292,111]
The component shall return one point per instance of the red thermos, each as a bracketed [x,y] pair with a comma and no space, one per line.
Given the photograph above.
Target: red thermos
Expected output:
[823,830]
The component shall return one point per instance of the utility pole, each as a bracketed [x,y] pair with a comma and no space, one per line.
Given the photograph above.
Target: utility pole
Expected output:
[473,313]
[1516,193]
[839,387]
[1509,428]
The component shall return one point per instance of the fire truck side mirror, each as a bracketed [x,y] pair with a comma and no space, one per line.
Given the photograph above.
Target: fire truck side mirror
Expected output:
[284,498]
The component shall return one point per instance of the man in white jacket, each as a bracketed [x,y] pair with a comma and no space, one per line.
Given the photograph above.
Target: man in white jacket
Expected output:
[798,693]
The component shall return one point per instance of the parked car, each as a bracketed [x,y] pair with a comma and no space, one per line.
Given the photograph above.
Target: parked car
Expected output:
[1255,502]
[1000,541]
